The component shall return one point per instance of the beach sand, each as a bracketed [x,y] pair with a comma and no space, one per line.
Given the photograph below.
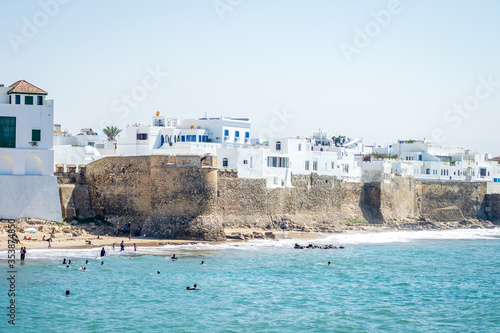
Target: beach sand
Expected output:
[66,240]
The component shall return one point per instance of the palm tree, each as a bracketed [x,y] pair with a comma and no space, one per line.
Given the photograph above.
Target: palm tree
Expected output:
[111,132]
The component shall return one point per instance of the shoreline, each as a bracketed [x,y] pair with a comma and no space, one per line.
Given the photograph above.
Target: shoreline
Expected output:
[64,239]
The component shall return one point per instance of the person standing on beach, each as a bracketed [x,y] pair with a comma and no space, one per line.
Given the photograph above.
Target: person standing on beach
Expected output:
[50,245]
[135,247]
[122,246]
[103,252]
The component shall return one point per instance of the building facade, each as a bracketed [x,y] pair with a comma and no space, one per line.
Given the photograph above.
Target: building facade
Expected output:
[28,185]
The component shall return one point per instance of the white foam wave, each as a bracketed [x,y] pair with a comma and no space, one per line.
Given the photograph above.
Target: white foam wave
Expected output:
[410,236]
[255,245]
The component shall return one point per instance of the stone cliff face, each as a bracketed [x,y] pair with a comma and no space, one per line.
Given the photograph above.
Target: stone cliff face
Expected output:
[187,197]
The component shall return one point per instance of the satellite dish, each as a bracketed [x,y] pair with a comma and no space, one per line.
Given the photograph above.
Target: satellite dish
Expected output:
[157,113]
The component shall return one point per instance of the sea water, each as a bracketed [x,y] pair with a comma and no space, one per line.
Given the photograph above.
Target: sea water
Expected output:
[426,281]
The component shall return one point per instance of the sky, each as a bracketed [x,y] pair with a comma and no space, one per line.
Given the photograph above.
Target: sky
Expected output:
[377,70]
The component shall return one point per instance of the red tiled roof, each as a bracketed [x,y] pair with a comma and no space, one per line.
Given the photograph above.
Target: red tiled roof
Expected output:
[24,87]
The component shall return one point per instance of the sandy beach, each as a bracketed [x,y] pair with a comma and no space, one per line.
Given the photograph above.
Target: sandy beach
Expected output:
[63,237]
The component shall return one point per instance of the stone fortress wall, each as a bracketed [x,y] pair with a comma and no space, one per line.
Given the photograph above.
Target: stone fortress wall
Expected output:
[186,196]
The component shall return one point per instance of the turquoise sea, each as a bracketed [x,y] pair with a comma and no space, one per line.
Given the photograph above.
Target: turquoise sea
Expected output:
[428,281]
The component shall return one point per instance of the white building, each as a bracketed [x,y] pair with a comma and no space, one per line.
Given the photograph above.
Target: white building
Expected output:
[190,136]
[434,162]
[28,187]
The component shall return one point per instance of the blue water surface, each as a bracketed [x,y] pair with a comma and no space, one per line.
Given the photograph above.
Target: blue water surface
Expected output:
[438,285]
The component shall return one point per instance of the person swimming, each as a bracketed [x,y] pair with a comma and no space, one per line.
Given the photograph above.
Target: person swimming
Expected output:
[329,263]
[202,263]
[158,272]
[64,261]
[195,287]
[102,262]
[69,263]
[174,257]
[67,293]
[86,261]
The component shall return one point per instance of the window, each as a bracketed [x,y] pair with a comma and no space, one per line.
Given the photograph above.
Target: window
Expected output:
[278,145]
[245,161]
[183,138]
[226,132]
[8,132]
[18,99]
[28,100]
[277,162]
[39,100]
[35,135]
[333,165]
[10,99]
[300,147]
[247,135]
[307,165]
[225,162]
[142,136]
[237,134]
[315,166]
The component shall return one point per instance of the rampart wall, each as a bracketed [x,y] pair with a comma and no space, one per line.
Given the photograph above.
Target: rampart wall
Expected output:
[187,197]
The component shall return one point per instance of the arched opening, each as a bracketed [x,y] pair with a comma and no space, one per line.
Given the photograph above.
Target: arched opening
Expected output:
[6,165]
[225,162]
[278,145]
[34,166]
[162,140]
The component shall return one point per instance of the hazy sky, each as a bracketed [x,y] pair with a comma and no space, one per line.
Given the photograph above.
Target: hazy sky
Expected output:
[380,70]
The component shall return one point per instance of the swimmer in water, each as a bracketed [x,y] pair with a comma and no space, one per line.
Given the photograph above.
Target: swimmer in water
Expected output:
[174,257]
[67,292]
[195,287]
[64,261]
[67,266]
[102,262]
[202,263]
[329,264]
[158,272]
[86,261]
[83,268]
[69,263]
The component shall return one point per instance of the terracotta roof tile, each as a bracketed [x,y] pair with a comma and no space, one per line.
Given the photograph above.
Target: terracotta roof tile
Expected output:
[24,87]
